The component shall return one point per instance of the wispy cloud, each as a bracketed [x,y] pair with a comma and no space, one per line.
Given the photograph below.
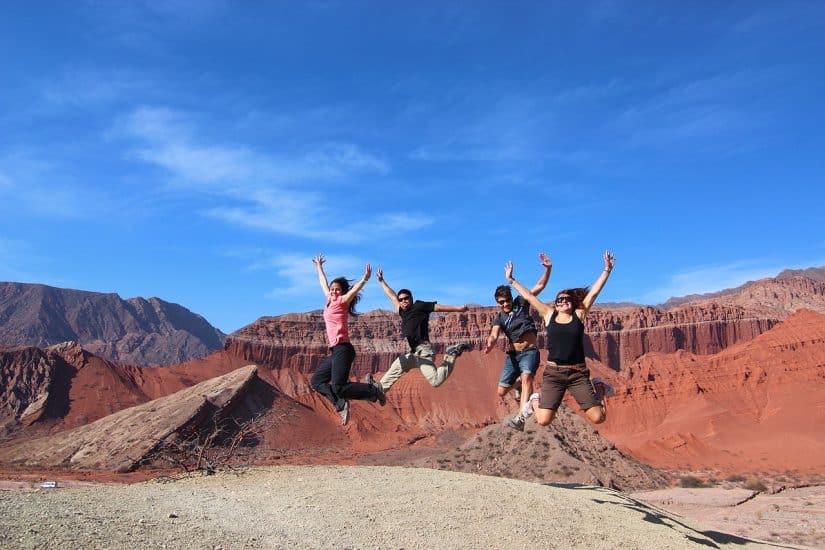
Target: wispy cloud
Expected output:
[297,275]
[87,87]
[43,188]
[288,193]
[484,129]
[711,107]
[787,18]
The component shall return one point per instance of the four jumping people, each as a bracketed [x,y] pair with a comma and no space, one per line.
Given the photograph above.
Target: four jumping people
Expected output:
[565,368]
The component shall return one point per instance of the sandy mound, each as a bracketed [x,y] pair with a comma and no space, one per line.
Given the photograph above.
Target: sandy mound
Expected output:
[345,507]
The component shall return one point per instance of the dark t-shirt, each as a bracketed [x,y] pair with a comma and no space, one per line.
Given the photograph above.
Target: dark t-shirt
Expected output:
[518,322]
[415,322]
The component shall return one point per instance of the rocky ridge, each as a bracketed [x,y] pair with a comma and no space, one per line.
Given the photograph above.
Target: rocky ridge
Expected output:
[136,331]
[754,406]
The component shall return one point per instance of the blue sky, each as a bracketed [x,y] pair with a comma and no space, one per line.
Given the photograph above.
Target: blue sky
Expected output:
[203,152]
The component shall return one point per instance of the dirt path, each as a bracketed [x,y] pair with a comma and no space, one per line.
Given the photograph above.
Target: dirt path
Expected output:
[343,507]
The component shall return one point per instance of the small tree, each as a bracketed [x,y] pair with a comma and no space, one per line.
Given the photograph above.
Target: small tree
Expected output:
[210,446]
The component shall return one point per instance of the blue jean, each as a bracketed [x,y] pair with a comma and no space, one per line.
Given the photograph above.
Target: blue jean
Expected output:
[518,363]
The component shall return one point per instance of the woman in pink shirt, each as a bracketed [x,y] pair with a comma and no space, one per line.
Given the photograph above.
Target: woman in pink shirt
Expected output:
[331,378]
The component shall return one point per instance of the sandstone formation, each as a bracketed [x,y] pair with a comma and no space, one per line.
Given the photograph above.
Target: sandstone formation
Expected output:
[698,384]
[122,440]
[783,294]
[136,331]
[755,406]
[614,337]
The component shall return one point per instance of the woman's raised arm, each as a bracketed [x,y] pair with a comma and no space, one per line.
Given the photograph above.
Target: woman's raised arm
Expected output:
[356,288]
[543,309]
[590,299]
[322,277]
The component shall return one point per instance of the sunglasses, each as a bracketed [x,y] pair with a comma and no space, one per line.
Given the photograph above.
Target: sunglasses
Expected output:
[503,301]
[404,298]
[563,299]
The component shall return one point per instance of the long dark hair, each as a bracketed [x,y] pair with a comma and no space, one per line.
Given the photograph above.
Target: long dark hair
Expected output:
[345,285]
[576,294]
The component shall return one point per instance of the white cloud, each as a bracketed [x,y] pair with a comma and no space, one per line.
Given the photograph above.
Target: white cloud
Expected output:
[298,276]
[289,194]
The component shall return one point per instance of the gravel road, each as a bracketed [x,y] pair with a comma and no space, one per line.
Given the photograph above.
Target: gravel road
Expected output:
[343,507]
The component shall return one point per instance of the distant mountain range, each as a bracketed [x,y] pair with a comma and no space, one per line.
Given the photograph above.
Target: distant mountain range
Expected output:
[143,332]
[136,331]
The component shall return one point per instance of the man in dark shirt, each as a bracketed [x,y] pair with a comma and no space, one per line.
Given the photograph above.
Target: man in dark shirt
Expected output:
[522,360]
[415,326]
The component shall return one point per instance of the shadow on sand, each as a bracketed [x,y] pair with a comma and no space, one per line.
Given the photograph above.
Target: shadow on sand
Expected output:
[654,515]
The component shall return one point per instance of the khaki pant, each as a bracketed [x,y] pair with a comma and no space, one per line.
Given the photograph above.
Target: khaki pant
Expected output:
[421,358]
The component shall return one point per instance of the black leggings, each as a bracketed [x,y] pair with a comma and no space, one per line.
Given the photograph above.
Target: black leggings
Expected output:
[331,378]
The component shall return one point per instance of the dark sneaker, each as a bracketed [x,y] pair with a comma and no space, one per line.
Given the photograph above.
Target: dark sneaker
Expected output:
[379,389]
[527,411]
[344,413]
[602,388]
[458,349]
[516,422]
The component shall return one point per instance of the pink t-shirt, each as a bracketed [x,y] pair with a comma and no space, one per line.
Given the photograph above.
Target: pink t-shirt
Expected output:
[336,313]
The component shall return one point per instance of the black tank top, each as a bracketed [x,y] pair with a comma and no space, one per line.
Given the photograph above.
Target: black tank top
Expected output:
[565,342]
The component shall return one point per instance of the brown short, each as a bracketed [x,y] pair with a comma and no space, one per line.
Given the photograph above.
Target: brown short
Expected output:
[557,380]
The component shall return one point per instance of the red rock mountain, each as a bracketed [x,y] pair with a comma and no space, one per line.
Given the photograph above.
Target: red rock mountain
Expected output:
[785,293]
[756,406]
[135,331]
[698,385]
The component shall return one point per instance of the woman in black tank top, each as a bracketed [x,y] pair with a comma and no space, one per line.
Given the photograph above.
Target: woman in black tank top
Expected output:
[565,368]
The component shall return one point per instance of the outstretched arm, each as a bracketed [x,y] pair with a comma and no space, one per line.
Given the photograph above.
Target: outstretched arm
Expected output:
[387,290]
[491,340]
[450,309]
[356,288]
[590,299]
[322,277]
[542,282]
[543,309]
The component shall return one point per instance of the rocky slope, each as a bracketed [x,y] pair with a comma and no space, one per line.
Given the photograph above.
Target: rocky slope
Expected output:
[787,292]
[123,440]
[136,331]
[756,406]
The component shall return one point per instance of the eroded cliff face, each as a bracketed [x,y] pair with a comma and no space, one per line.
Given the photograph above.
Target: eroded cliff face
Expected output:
[753,406]
[615,337]
[789,291]
[62,386]
[705,384]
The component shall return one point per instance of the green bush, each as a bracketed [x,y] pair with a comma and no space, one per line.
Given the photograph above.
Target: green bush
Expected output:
[736,478]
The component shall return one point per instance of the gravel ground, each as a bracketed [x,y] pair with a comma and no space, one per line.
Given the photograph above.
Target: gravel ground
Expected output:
[343,507]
